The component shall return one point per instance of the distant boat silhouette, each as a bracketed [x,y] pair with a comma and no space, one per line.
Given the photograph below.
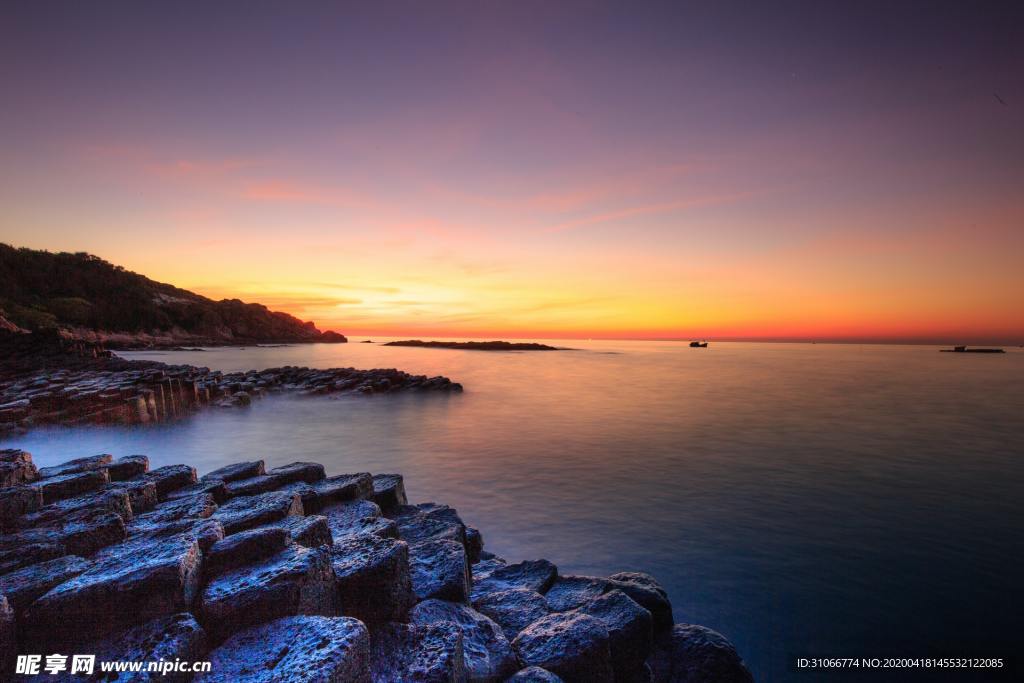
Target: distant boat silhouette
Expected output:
[698,345]
[964,349]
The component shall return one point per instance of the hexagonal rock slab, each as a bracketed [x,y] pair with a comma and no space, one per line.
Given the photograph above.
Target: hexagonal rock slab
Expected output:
[128,467]
[345,487]
[440,569]
[170,478]
[535,575]
[16,467]
[176,637]
[389,491]
[513,609]
[191,507]
[311,531]
[215,487]
[295,581]
[429,522]
[573,646]
[373,578]
[695,654]
[534,674]
[486,651]
[570,592]
[81,533]
[125,585]
[18,500]
[92,462]
[248,512]
[296,649]
[236,471]
[630,632]
[401,653]
[358,517]
[71,484]
[244,548]
[645,590]
[24,586]
[104,500]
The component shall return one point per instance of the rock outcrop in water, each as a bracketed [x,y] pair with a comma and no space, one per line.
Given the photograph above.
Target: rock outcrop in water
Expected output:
[476,345]
[48,378]
[289,575]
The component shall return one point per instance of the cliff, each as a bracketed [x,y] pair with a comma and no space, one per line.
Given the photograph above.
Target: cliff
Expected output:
[92,299]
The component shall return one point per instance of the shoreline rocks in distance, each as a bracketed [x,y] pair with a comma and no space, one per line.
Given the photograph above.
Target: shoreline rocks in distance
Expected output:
[187,578]
[477,345]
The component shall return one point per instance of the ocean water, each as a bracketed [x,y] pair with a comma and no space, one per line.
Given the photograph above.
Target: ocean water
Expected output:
[804,500]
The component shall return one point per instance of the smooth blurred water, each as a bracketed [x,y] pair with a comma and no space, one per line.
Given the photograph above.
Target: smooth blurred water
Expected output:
[820,500]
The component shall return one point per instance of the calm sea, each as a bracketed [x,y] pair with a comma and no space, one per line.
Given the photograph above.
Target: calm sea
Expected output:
[804,500]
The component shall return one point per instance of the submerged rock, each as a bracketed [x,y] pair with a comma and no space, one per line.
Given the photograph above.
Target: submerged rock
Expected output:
[487,654]
[401,653]
[573,646]
[297,649]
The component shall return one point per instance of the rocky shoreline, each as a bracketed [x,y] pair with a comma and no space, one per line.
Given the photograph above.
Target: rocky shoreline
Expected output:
[47,378]
[286,574]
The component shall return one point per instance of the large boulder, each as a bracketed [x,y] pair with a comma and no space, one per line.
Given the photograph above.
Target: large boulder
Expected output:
[487,654]
[92,462]
[24,586]
[244,548]
[389,491]
[513,609]
[126,584]
[440,569]
[358,517]
[570,592]
[573,646]
[695,654]
[177,637]
[248,512]
[236,471]
[645,590]
[373,577]
[297,580]
[630,632]
[535,575]
[402,653]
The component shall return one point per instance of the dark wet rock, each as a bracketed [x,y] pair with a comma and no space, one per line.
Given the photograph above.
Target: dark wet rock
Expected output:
[16,467]
[297,649]
[535,575]
[8,635]
[312,531]
[236,471]
[695,654]
[22,554]
[345,487]
[66,485]
[474,544]
[534,674]
[189,508]
[373,577]
[170,478]
[309,472]
[630,632]
[81,533]
[310,499]
[297,580]
[570,592]
[485,567]
[105,500]
[487,654]
[214,487]
[128,467]
[141,493]
[17,501]
[262,483]
[439,569]
[648,593]
[23,586]
[429,522]
[126,584]
[175,637]
[573,646]
[244,548]
[401,653]
[389,491]
[92,462]
[513,609]
[205,532]
[358,517]
[248,512]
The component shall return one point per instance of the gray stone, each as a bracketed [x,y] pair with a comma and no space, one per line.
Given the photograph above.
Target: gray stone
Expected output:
[429,522]
[22,554]
[214,487]
[170,478]
[16,467]
[358,517]
[66,485]
[373,577]
[105,500]
[297,580]
[694,654]
[141,493]
[244,548]
[401,653]
[534,674]
[474,544]
[205,532]
[80,533]
[178,637]
[191,507]
[299,649]
[312,531]
[17,501]
[513,609]
[126,584]
[23,586]
[630,632]
[570,592]
[128,467]
[309,497]
[535,575]
[487,654]
[309,472]
[253,485]
[236,471]
[345,487]
[8,636]
[93,462]
[248,512]
[648,593]
[573,646]
[389,491]
[439,569]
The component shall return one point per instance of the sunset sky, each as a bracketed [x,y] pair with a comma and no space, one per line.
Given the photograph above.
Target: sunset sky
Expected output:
[535,169]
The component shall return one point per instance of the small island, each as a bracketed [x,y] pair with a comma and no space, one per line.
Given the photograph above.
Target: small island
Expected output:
[477,345]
